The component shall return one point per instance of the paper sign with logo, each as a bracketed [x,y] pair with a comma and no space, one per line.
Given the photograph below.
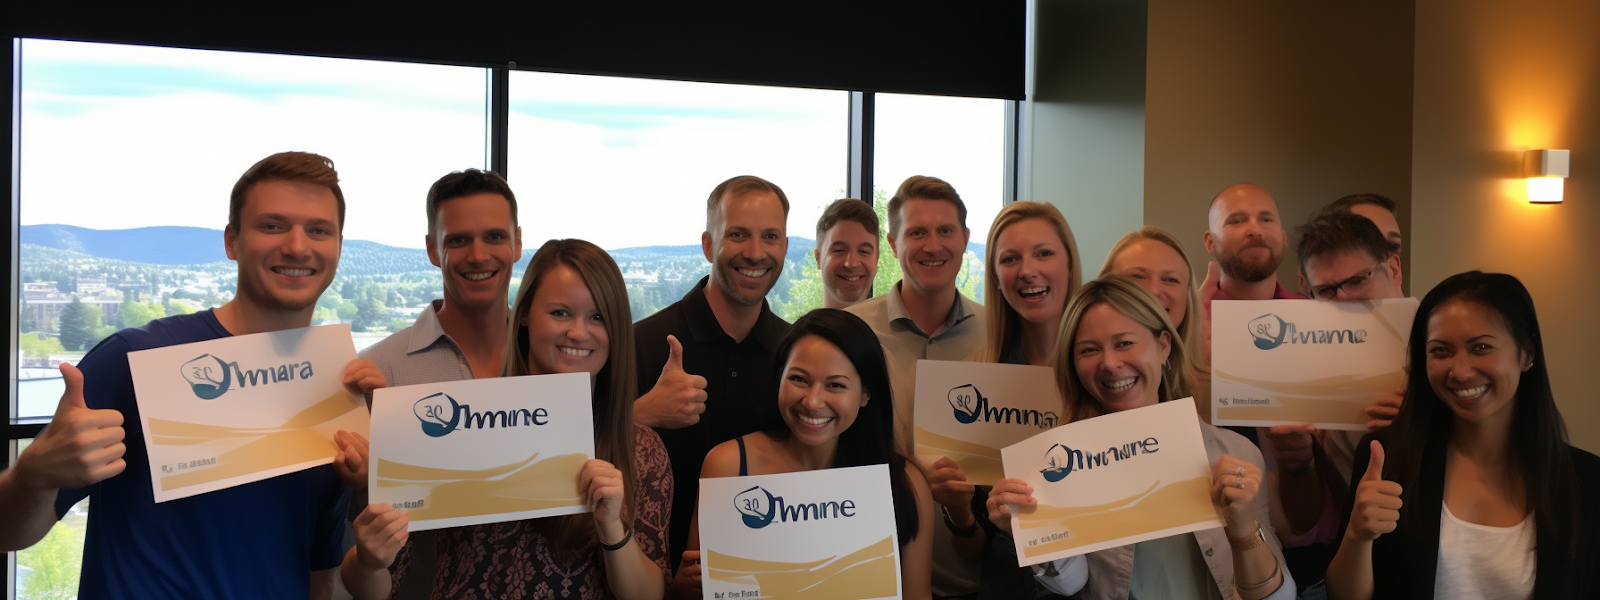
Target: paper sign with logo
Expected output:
[1303,361]
[827,534]
[483,450]
[1113,480]
[230,411]
[968,411]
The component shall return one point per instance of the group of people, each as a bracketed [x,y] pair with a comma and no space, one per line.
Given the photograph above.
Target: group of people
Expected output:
[1467,486]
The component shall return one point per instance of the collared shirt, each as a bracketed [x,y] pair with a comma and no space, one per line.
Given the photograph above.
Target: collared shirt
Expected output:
[741,388]
[1278,293]
[421,353]
[904,343]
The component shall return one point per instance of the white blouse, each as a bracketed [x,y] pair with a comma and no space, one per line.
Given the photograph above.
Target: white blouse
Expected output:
[1483,562]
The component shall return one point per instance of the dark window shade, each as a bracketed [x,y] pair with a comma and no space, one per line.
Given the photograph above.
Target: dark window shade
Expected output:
[971,48]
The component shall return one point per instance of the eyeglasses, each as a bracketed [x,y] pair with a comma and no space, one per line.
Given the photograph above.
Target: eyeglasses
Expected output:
[1352,284]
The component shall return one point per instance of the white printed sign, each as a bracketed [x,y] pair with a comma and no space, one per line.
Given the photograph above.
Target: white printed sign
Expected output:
[1304,361]
[482,450]
[1110,481]
[235,410]
[828,533]
[968,411]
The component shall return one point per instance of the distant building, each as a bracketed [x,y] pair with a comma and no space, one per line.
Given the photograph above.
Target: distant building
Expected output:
[44,302]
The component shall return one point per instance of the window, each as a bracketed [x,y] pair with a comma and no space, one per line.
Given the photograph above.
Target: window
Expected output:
[628,164]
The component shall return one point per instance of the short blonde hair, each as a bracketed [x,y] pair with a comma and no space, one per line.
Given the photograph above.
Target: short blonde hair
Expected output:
[1004,322]
[1189,329]
[1122,294]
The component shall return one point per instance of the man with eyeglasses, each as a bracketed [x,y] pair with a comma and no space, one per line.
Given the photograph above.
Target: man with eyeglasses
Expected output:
[1343,257]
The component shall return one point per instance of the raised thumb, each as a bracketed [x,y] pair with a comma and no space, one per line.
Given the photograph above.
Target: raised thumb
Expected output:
[1375,464]
[1213,278]
[674,354]
[73,397]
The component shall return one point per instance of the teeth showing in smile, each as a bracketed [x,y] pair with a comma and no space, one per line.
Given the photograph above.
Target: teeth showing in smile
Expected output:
[291,272]
[1120,384]
[851,278]
[753,272]
[1470,393]
[478,276]
[576,352]
[1031,292]
[933,264]
[814,420]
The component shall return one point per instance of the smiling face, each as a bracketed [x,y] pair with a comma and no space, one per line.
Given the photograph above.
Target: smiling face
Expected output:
[821,392]
[1118,360]
[1474,363]
[475,245]
[746,246]
[1034,270]
[1159,269]
[1246,234]
[566,333]
[287,245]
[930,244]
[848,259]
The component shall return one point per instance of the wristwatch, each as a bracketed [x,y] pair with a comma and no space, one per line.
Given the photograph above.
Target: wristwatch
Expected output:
[1249,541]
[968,531]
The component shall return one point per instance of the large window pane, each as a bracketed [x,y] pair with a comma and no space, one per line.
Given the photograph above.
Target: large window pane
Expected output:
[116,139]
[628,163]
[959,140]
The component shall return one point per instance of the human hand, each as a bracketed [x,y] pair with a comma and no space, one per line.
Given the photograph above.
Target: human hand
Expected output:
[80,446]
[1292,447]
[351,461]
[1377,508]
[1234,486]
[361,376]
[1210,286]
[950,489]
[601,483]
[380,533]
[688,576]
[1008,495]
[1385,408]
[678,398]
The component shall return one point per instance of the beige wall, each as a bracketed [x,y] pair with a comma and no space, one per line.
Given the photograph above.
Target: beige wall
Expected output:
[1310,100]
[1495,78]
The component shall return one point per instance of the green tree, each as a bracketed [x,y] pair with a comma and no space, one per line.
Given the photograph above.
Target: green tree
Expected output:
[805,292]
[346,311]
[38,346]
[56,562]
[136,314]
[369,314]
[888,266]
[78,322]
[180,307]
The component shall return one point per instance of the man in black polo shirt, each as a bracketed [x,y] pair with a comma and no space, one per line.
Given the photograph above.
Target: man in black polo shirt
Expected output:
[714,349]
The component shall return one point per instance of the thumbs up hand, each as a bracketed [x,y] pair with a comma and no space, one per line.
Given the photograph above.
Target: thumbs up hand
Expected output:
[1377,508]
[678,397]
[80,446]
[1211,285]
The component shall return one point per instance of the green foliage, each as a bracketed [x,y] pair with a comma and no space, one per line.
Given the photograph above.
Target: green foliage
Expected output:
[56,562]
[78,324]
[805,293]
[136,314]
[181,308]
[347,311]
[369,314]
[39,346]
[889,272]
[397,324]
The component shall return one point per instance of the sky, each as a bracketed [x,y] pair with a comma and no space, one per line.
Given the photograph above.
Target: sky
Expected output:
[116,137]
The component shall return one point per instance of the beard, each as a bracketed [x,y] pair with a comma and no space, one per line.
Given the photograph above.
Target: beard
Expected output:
[723,274]
[1235,265]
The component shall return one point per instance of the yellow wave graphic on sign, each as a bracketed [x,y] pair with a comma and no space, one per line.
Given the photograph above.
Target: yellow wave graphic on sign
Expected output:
[291,443]
[1307,399]
[1159,507]
[980,463]
[866,573]
[525,485]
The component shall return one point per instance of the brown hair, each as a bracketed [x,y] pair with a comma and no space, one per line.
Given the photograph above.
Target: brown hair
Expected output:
[1122,294]
[303,167]
[614,389]
[847,209]
[467,183]
[1342,232]
[1189,329]
[923,187]
[1005,325]
[739,186]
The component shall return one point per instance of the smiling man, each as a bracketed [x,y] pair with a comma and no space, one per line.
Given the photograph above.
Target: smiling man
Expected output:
[708,359]
[474,239]
[924,316]
[847,252]
[276,538]
[1247,238]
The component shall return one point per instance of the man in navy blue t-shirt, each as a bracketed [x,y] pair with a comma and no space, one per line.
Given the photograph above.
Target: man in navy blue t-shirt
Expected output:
[278,538]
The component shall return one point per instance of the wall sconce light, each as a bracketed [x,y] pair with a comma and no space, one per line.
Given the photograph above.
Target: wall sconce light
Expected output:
[1545,170]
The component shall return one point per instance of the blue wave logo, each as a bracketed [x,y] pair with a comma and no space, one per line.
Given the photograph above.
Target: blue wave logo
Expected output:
[431,411]
[1057,464]
[755,507]
[208,376]
[1060,461]
[970,406]
[758,508]
[1271,331]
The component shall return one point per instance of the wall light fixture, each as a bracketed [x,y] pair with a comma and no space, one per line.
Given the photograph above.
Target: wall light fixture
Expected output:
[1545,170]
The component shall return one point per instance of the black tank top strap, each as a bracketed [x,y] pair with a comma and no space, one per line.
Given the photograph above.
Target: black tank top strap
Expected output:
[744,468]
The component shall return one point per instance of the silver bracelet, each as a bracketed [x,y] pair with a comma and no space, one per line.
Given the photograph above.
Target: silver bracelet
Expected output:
[1270,579]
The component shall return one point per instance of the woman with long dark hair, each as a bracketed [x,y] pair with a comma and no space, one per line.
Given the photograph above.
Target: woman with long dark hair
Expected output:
[1473,492]
[834,396]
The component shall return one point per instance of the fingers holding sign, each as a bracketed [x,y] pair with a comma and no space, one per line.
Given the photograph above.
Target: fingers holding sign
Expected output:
[1235,483]
[678,398]
[80,446]
[1377,507]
